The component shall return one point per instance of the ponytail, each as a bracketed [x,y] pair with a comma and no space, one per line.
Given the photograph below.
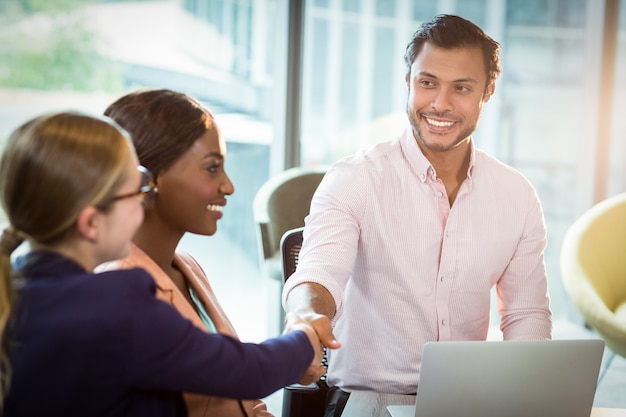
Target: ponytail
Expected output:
[9,241]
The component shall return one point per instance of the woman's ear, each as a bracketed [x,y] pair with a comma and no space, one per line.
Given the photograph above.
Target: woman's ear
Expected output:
[87,223]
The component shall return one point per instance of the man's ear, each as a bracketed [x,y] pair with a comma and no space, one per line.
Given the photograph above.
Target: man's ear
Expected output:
[491,88]
[87,223]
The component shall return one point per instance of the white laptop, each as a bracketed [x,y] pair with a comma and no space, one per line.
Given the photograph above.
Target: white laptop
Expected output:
[550,378]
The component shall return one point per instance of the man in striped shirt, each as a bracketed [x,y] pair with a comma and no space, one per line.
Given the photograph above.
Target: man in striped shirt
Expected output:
[405,241]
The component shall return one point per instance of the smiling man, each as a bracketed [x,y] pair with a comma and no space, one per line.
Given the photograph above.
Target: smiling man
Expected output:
[405,241]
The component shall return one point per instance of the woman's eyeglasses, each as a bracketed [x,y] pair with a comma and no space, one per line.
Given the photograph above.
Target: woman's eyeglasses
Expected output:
[147,186]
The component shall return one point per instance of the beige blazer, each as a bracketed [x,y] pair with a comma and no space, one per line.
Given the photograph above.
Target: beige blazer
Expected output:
[197,405]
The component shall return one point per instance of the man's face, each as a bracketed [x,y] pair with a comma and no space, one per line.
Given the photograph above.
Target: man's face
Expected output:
[447,90]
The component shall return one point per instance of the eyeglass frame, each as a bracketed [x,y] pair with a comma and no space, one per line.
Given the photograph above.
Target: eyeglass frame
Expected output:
[148,185]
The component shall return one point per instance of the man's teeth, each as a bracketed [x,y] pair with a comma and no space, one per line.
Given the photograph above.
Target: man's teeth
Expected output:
[438,123]
[214,207]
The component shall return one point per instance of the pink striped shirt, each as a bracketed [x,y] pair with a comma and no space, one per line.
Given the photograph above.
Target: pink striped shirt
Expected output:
[404,268]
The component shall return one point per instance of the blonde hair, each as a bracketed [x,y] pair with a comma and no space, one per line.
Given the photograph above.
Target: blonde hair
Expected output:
[51,168]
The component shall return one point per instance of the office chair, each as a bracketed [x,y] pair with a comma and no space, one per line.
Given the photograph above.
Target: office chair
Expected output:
[281,204]
[290,245]
[300,400]
[593,270]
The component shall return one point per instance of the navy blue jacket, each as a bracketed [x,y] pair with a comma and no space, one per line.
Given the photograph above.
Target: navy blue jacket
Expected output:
[86,344]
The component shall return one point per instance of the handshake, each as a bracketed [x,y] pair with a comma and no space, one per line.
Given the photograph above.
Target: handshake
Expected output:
[318,328]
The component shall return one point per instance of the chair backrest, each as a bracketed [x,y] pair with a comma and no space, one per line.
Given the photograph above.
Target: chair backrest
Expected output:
[290,246]
[282,203]
[595,243]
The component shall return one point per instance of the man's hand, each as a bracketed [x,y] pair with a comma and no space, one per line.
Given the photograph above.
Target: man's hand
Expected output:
[317,328]
[312,303]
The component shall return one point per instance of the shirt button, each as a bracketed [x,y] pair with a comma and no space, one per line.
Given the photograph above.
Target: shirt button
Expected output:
[423,176]
[440,194]
[444,322]
[441,279]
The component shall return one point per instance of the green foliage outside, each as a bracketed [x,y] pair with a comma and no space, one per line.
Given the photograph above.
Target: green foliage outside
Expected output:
[45,45]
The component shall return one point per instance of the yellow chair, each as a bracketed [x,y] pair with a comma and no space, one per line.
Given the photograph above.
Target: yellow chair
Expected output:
[593,270]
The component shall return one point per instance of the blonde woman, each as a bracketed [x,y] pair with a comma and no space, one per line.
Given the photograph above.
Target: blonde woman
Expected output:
[75,343]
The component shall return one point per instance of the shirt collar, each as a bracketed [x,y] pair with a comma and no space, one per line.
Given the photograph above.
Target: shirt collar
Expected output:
[420,164]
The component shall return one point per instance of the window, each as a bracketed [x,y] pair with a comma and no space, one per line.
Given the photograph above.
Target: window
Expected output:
[83,54]
[542,120]
[617,152]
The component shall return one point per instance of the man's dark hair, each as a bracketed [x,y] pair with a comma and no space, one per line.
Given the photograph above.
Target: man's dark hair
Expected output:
[448,32]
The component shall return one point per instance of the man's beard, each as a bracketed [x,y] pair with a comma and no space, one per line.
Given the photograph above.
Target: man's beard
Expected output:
[415,118]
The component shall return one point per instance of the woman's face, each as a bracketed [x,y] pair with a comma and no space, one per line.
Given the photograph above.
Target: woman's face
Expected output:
[192,192]
[124,217]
